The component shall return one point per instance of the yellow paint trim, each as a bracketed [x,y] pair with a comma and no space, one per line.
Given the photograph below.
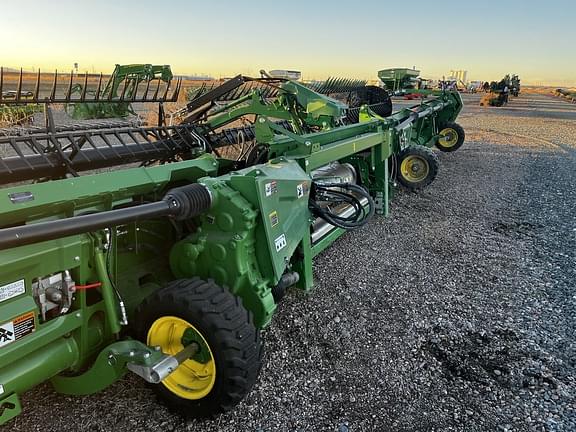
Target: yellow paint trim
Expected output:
[414,168]
[448,137]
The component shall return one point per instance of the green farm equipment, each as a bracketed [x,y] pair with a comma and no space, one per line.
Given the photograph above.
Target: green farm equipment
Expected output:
[122,87]
[398,80]
[169,269]
[515,85]
[356,93]
[501,90]
[569,95]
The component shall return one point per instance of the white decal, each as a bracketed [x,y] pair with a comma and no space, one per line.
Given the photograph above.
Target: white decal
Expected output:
[280,243]
[7,333]
[11,290]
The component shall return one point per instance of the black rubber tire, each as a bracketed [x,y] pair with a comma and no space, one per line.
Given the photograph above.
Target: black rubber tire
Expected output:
[228,329]
[461,137]
[424,153]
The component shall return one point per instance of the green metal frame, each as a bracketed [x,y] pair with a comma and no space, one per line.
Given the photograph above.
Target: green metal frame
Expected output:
[127,77]
[257,229]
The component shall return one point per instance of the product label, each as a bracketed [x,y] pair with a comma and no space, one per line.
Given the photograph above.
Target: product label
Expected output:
[301,189]
[17,328]
[11,290]
[273,218]
[280,243]
[271,188]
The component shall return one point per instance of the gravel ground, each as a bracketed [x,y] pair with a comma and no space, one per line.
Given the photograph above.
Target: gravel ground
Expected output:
[456,313]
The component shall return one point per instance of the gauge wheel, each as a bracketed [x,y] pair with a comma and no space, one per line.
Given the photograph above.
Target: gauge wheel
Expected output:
[417,167]
[227,363]
[451,137]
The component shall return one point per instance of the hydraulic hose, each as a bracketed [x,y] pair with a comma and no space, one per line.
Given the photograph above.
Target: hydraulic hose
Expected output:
[335,193]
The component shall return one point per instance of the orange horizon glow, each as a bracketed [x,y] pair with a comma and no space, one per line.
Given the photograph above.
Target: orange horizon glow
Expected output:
[320,40]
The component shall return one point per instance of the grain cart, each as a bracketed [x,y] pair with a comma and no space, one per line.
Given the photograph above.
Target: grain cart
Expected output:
[168,270]
[398,80]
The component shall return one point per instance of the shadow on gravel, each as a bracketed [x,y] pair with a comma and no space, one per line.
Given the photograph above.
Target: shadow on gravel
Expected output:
[498,357]
[516,228]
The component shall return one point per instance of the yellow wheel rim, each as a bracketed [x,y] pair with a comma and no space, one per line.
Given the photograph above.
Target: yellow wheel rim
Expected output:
[192,379]
[448,137]
[414,168]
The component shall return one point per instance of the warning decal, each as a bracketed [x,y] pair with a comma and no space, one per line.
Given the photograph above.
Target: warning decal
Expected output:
[302,189]
[17,328]
[271,188]
[273,218]
[280,243]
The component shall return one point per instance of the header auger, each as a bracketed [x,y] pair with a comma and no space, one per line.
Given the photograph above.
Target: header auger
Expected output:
[169,269]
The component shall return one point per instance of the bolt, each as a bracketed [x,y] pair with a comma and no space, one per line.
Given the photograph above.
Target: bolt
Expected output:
[308,143]
[77,258]
[131,353]
[262,120]
[78,315]
[157,348]
[146,355]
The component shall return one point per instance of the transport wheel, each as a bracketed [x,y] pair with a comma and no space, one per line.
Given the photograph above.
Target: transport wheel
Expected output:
[451,137]
[225,367]
[418,167]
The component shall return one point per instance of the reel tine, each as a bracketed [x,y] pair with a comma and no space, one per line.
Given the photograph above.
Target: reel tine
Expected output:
[1,82]
[53,91]
[178,89]
[85,88]
[157,89]
[69,93]
[97,98]
[112,85]
[37,87]
[19,88]
[167,88]
[123,90]
[145,96]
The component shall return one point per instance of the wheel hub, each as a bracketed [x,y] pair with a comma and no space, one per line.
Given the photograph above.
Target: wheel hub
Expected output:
[195,377]
[414,168]
[448,137]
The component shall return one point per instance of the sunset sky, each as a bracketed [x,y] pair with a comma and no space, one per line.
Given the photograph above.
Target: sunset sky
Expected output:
[320,38]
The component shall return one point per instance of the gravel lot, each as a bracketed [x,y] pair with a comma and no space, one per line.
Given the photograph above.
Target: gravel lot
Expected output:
[456,313]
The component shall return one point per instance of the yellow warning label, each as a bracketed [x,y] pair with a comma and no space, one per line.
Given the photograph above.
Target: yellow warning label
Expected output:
[273,218]
[16,329]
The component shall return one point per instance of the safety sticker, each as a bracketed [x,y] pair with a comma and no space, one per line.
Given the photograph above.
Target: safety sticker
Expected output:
[280,243]
[17,328]
[301,189]
[273,218]
[12,290]
[271,188]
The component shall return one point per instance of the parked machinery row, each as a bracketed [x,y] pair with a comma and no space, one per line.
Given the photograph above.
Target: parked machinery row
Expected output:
[163,250]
